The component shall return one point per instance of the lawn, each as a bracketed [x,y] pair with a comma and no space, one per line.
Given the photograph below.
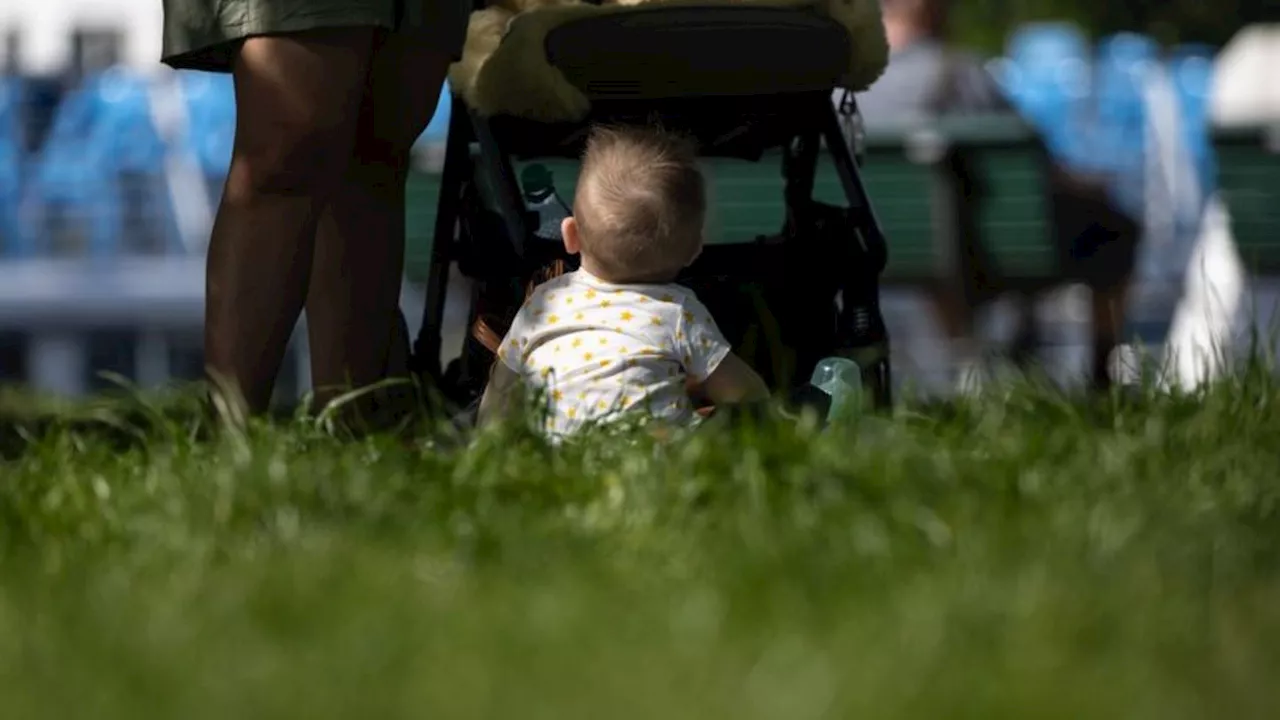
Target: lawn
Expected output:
[1025,554]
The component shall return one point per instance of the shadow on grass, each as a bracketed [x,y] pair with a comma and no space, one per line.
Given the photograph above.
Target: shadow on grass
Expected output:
[127,418]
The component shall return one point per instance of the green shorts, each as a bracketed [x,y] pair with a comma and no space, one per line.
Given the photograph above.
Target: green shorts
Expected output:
[204,34]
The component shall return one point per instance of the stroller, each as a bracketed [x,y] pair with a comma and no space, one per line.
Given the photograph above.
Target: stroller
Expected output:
[786,298]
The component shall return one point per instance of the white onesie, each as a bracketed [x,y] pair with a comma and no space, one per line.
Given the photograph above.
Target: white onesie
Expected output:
[598,349]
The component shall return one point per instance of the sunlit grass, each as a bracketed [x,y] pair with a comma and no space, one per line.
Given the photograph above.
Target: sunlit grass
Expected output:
[1021,554]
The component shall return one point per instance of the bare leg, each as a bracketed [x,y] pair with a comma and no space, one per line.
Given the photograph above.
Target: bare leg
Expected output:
[1108,316]
[297,100]
[953,312]
[1026,335]
[353,315]
[956,316]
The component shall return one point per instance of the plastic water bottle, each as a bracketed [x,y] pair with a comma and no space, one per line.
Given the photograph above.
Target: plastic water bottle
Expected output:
[841,379]
[540,197]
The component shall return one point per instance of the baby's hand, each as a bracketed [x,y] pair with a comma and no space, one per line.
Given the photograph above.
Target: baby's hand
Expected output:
[698,396]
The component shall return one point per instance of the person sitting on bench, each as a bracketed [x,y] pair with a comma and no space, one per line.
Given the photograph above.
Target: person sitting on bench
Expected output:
[618,335]
[1096,241]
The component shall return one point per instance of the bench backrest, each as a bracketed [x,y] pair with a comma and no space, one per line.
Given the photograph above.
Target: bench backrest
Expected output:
[1248,161]
[910,185]
[914,179]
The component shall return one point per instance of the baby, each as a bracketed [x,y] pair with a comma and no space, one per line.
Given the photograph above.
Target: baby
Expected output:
[618,336]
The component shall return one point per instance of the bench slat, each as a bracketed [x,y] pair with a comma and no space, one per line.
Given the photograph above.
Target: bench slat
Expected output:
[1248,162]
[747,202]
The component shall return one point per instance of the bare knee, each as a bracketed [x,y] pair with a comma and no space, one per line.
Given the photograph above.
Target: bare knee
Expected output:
[383,153]
[307,164]
[383,148]
[378,168]
[404,86]
[298,104]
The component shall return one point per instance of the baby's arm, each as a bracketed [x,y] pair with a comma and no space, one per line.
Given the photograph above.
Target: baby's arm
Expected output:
[503,394]
[500,397]
[733,382]
[709,361]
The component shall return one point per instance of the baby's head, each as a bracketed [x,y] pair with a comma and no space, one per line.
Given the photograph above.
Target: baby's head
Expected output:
[640,207]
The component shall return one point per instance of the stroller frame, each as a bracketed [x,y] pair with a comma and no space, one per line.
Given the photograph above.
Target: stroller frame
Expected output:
[798,123]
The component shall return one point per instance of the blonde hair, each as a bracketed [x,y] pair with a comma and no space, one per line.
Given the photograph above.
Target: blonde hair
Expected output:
[640,205]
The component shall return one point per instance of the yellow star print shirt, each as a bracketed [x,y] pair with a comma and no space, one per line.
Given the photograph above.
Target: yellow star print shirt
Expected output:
[597,350]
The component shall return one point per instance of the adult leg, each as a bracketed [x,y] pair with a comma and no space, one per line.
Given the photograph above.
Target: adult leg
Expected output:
[1108,318]
[356,331]
[1116,256]
[1100,248]
[952,310]
[1025,345]
[955,314]
[297,103]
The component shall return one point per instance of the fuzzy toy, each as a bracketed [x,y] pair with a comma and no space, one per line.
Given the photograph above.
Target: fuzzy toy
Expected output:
[485,32]
[504,69]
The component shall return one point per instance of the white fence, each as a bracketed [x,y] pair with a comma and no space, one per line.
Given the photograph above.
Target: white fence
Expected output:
[153,310]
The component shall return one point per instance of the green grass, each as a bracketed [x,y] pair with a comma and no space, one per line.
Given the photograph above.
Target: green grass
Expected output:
[1023,555]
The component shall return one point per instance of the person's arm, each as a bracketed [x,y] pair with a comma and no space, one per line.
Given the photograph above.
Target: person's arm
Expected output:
[501,395]
[734,382]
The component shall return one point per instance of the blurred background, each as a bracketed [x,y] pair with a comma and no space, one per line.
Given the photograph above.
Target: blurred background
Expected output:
[111,168]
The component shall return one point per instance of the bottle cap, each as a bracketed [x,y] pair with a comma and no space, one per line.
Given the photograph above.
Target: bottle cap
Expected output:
[835,374]
[840,379]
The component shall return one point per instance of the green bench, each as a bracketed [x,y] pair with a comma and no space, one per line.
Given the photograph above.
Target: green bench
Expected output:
[1248,161]
[747,199]
[973,208]
[421,194]
[1014,220]
[909,182]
